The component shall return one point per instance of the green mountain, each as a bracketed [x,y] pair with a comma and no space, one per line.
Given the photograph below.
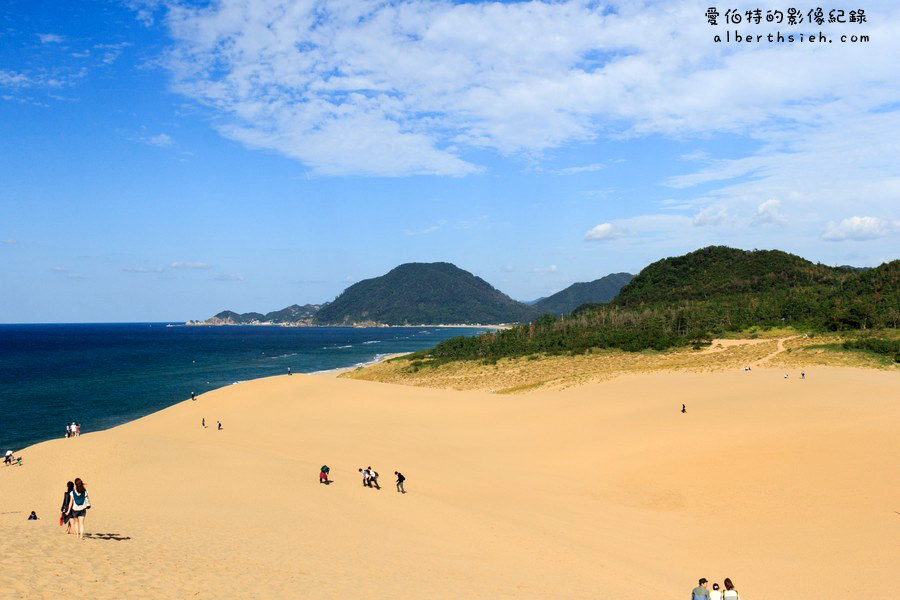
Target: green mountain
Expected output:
[678,301]
[292,314]
[597,291]
[424,293]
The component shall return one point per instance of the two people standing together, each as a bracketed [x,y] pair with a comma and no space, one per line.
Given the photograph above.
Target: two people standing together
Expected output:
[75,505]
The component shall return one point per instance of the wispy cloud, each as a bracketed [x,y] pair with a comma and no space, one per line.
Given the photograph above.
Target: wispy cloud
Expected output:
[50,38]
[427,230]
[548,270]
[161,140]
[67,273]
[229,277]
[109,53]
[188,264]
[10,242]
[144,270]
[412,87]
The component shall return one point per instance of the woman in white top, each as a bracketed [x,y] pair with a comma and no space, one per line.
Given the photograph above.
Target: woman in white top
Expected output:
[715,593]
[730,592]
[79,502]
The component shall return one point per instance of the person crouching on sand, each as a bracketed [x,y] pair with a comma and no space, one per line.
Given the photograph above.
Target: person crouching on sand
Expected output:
[323,475]
[365,476]
[79,503]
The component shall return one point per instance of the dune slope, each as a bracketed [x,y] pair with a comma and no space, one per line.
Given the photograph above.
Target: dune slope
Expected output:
[604,490]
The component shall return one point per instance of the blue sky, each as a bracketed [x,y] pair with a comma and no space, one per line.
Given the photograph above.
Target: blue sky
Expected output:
[165,160]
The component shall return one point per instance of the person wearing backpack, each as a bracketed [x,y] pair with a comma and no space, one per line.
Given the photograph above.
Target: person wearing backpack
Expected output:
[79,503]
[323,474]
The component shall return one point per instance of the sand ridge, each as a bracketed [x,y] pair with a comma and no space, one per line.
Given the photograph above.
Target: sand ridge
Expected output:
[602,490]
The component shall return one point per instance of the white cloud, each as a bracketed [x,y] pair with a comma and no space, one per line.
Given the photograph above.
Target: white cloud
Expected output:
[144,270]
[508,269]
[858,229]
[767,213]
[229,277]
[710,216]
[411,87]
[67,273]
[604,231]
[50,38]
[9,242]
[187,264]
[14,79]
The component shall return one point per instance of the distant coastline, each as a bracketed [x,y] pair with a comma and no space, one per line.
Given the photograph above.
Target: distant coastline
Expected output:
[355,325]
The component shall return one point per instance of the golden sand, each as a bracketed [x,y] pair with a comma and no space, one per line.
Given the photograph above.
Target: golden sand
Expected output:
[604,490]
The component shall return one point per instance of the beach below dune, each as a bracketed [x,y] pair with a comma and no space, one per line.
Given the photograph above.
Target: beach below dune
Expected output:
[602,490]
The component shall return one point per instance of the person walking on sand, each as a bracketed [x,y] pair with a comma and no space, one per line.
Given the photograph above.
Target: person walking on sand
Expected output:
[365,476]
[8,457]
[373,478]
[79,503]
[77,429]
[715,594]
[219,425]
[289,370]
[802,375]
[730,592]
[193,396]
[683,408]
[400,480]
[203,422]
[700,592]
[323,475]
[64,508]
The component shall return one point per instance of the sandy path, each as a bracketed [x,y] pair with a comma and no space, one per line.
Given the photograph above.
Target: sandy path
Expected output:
[601,491]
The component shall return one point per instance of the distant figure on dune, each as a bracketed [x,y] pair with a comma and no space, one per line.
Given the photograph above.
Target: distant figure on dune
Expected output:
[78,430]
[802,375]
[715,594]
[64,517]
[683,408]
[79,503]
[193,396]
[8,457]
[785,375]
[203,422]
[219,425]
[289,371]
[323,475]
[700,592]
[400,480]
[730,592]
[33,516]
[365,476]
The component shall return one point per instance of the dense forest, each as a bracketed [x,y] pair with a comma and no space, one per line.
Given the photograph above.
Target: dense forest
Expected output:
[689,299]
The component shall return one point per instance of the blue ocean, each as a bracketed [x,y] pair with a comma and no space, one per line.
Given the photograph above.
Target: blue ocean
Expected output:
[102,375]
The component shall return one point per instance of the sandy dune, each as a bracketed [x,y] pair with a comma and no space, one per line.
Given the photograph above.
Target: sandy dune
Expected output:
[601,491]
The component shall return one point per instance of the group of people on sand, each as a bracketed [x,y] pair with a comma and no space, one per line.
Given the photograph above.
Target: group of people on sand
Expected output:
[73,430]
[9,459]
[75,505]
[703,592]
[218,424]
[369,478]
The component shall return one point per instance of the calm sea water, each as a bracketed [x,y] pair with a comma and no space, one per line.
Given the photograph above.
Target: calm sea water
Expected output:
[102,375]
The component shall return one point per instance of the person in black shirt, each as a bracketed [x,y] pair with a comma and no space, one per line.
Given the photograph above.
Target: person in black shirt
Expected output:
[400,480]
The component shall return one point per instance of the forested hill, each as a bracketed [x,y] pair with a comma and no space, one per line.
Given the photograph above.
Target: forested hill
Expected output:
[719,271]
[292,314]
[678,301]
[599,290]
[424,293]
